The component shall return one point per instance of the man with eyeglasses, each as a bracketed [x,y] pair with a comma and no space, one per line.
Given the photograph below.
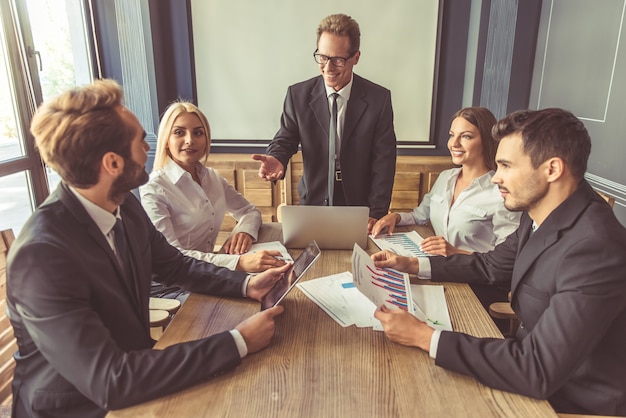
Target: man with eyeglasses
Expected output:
[341,112]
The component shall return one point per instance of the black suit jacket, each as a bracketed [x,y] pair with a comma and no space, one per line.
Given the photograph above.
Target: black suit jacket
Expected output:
[368,144]
[82,332]
[568,284]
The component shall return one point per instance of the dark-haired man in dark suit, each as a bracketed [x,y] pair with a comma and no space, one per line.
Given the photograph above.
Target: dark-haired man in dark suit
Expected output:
[566,266]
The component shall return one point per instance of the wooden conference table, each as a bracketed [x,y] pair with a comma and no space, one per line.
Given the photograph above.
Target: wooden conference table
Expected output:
[316,368]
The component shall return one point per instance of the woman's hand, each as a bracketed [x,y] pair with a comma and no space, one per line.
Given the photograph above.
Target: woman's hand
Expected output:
[260,261]
[388,221]
[439,246]
[239,243]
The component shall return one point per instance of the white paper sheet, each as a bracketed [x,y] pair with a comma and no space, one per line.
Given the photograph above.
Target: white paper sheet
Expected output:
[402,243]
[341,300]
[382,286]
[431,306]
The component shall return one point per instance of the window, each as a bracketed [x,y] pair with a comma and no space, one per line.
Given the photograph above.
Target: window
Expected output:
[44,49]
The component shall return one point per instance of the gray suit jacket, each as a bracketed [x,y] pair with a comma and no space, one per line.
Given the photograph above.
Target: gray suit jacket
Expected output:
[83,330]
[368,144]
[568,283]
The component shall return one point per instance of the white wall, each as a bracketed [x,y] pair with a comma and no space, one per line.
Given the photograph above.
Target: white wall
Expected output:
[248,52]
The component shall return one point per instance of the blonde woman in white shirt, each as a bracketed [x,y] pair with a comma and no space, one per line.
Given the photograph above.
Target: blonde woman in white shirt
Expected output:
[187,200]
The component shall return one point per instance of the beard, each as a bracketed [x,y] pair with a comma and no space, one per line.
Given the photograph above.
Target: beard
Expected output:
[527,198]
[134,175]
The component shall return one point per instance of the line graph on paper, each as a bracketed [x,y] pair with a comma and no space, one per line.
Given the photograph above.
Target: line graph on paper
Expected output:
[403,243]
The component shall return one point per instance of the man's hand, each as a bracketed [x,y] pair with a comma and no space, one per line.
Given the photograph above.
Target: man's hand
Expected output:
[238,244]
[259,285]
[388,259]
[388,221]
[260,261]
[271,169]
[258,330]
[403,328]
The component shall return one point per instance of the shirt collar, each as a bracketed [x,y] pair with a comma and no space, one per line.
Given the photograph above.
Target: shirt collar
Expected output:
[174,172]
[104,219]
[344,92]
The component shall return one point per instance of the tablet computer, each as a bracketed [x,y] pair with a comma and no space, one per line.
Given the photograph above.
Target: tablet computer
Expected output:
[310,254]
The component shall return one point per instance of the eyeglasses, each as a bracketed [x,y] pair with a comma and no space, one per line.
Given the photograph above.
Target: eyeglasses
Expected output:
[335,61]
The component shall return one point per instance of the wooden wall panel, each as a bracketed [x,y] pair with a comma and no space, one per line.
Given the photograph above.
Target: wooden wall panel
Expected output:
[415,176]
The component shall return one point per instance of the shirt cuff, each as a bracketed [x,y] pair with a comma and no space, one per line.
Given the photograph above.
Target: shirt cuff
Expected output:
[244,286]
[242,347]
[434,344]
[424,266]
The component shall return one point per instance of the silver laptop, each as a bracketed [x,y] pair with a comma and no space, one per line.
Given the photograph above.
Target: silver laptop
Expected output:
[333,227]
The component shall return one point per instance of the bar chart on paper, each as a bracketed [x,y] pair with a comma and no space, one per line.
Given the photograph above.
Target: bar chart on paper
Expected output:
[394,285]
[403,243]
[382,286]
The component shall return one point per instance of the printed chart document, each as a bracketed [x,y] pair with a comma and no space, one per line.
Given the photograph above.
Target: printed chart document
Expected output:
[341,300]
[341,297]
[402,243]
[382,286]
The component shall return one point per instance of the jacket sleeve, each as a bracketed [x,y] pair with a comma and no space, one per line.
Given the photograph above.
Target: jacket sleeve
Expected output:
[383,162]
[287,139]
[70,334]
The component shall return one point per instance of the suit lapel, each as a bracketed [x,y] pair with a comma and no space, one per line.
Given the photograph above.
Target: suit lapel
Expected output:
[533,245]
[78,211]
[319,105]
[355,109]
[132,232]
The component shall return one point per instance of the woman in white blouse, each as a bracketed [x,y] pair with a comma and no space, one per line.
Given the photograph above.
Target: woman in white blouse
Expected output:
[187,200]
[464,208]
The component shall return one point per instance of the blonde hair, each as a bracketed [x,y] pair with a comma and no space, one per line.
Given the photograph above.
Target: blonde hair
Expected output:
[173,111]
[74,130]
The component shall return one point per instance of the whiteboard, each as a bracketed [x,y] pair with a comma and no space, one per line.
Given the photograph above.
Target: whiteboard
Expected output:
[248,52]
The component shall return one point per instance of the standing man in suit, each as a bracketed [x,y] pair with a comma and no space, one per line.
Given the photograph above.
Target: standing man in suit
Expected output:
[365,141]
[78,275]
[567,272]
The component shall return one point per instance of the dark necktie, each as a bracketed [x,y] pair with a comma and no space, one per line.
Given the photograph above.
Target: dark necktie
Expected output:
[121,248]
[332,152]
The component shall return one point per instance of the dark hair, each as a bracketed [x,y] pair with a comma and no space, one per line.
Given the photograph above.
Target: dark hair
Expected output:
[549,133]
[484,120]
[74,130]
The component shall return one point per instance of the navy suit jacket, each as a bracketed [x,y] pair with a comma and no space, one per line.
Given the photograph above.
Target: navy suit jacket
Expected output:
[368,143]
[83,330]
[568,286]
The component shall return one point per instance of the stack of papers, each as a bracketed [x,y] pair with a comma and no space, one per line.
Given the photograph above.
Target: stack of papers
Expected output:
[339,296]
[341,300]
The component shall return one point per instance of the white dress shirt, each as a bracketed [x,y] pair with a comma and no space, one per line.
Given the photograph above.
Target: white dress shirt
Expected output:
[189,215]
[477,221]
